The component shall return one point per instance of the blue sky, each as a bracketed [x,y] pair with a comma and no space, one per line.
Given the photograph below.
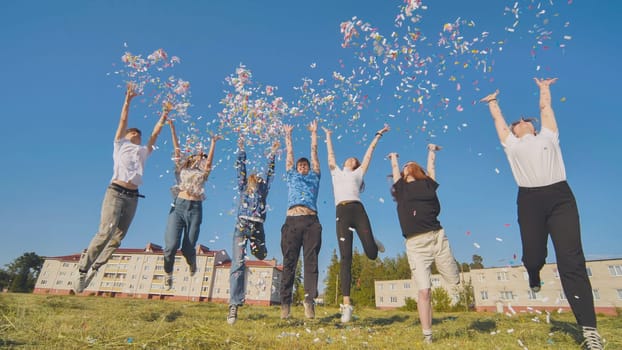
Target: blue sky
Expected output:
[61,109]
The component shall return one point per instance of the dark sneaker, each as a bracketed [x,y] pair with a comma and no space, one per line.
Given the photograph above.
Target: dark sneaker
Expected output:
[233,314]
[534,282]
[309,309]
[285,311]
[592,340]
[168,281]
[258,245]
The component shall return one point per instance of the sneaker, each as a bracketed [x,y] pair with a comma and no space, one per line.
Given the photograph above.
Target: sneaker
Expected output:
[535,282]
[309,309]
[80,283]
[592,340]
[379,245]
[346,313]
[233,314]
[168,281]
[427,339]
[285,311]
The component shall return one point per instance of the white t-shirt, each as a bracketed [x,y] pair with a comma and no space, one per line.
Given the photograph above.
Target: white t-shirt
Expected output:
[535,160]
[129,161]
[347,184]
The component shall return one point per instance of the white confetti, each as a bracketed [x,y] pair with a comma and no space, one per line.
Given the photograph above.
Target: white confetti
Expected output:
[476,245]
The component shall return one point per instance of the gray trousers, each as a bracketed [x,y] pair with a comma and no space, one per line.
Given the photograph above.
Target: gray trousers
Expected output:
[117,212]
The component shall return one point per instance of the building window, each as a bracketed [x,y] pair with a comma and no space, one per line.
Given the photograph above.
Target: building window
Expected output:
[205,279]
[436,282]
[619,293]
[392,286]
[394,299]
[596,294]
[532,295]
[406,285]
[507,295]
[615,270]
[589,271]
[502,276]
[380,286]
[484,294]
[482,277]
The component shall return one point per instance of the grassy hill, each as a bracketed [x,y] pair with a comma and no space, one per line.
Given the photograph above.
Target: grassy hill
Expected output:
[77,322]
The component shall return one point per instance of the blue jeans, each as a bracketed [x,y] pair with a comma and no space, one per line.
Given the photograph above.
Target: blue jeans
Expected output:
[117,212]
[244,229]
[185,217]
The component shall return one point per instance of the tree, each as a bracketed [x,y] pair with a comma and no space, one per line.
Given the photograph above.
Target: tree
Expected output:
[464,267]
[478,262]
[466,297]
[299,289]
[441,301]
[5,279]
[332,291]
[24,272]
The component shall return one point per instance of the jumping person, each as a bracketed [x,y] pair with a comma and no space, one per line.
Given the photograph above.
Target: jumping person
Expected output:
[302,227]
[546,205]
[121,198]
[418,208]
[186,213]
[351,215]
[253,191]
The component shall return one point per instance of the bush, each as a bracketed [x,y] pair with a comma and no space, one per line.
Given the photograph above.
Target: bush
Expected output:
[441,302]
[410,304]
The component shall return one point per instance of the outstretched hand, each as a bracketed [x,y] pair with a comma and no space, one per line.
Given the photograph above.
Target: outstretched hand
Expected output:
[384,129]
[288,128]
[490,97]
[275,146]
[313,126]
[130,93]
[327,131]
[545,82]
[432,147]
[392,155]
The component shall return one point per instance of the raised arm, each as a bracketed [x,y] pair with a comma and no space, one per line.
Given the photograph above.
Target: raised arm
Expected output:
[432,148]
[315,161]
[210,155]
[500,124]
[271,158]
[240,164]
[332,163]
[176,148]
[372,146]
[158,127]
[289,159]
[130,93]
[546,110]
[395,168]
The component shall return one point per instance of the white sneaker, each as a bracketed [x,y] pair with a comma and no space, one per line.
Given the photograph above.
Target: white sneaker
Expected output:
[233,314]
[346,313]
[285,311]
[168,281]
[309,309]
[592,340]
[427,339]
[379,245]
[80,283]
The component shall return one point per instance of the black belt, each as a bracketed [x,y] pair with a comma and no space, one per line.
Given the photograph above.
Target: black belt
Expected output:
[125,191]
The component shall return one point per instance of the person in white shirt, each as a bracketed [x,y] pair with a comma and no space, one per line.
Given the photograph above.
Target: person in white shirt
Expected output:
[546,205]
[186,213]
[121,198]
[351,215]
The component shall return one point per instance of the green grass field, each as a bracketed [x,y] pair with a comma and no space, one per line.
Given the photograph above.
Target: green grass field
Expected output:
[79,322]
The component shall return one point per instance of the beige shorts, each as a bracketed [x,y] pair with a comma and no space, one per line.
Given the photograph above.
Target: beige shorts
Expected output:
[424,249]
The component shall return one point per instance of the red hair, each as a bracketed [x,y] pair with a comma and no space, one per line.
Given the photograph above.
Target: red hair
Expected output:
[416,171]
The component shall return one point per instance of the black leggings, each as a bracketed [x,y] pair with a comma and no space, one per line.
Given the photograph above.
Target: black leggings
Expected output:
[552,209]
[352,216]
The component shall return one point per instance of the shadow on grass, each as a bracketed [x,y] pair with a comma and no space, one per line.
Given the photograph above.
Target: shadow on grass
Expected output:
[382,321]
[257,316]
[10,343]
[484,326]
[172,316]
[568,328]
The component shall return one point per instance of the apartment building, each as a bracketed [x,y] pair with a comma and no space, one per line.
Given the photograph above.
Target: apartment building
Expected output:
[139,273]
[506,289]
